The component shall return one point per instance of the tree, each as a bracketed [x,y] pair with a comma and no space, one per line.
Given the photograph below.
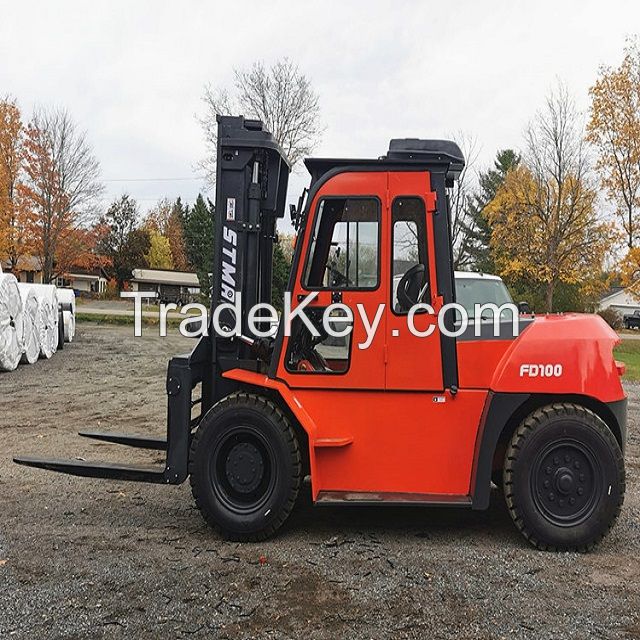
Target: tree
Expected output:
[12,223]
[198,238]
[175,234]
[460,201]
[61,183]
[282,257]
[122,241]
[81,251]
[166,219]
[280,96]
[614,128]
[159,254]
[545,225]
[477,226]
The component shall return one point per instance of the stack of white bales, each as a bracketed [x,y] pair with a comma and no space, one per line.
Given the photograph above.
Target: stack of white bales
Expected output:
[29,318]
[46,317]
[11,323]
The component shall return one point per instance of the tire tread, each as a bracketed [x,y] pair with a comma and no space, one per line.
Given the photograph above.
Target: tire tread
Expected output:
[260,404]
[526,428]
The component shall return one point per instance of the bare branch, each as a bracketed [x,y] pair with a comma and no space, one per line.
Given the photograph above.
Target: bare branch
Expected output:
[280,96]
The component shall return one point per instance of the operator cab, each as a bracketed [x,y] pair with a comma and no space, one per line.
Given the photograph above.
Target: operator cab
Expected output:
[374,233]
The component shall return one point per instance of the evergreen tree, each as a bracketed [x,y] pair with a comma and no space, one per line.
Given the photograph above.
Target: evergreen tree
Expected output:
[478,227]
[198,225]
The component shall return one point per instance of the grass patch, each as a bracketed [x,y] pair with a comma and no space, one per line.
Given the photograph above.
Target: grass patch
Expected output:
[105,318]
[628,351]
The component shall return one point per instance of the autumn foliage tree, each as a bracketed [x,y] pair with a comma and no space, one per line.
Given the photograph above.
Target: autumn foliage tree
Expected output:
[12,219]
[61,185]
[614,128]
[545,224]
[165,220]
[159,254]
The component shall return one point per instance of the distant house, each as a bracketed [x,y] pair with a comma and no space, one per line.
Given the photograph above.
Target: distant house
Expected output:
[179,287]
[623,301]
[84,280]
[29,269]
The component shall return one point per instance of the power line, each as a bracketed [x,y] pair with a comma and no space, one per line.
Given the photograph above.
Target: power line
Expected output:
[155,179]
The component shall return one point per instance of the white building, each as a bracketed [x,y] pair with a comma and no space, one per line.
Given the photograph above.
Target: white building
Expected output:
[179,287]
[29,269]
[623,301]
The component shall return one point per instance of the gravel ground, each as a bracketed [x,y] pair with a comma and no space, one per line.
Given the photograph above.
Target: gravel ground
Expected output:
[95,559]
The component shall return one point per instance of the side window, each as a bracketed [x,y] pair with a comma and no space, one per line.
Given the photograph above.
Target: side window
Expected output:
[409,268]
[345,246]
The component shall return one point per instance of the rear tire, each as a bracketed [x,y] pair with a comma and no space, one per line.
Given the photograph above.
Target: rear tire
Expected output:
[245,467]
[564,478]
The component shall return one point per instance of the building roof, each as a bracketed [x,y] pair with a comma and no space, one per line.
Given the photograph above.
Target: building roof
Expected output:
[614,291]
[165,276]
[475,275]
[25,263]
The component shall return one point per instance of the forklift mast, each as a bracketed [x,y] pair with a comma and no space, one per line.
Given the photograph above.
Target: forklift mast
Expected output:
[251,189]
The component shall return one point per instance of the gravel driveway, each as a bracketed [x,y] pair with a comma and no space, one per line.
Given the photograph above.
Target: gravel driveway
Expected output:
[94,559]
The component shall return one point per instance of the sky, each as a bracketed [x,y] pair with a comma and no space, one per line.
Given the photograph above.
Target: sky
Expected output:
[132,74]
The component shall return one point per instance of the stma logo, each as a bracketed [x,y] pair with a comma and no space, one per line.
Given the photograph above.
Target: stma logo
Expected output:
[229,258]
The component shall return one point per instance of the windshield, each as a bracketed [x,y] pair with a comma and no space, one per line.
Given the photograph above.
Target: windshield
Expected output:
[472,291]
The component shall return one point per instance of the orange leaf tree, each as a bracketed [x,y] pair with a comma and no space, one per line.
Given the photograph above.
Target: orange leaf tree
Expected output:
[60,189]
[12,218]
[614,128]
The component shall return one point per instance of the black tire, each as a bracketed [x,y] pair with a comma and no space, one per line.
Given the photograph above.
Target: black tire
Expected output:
[247,434]
[564,478]
[60,330]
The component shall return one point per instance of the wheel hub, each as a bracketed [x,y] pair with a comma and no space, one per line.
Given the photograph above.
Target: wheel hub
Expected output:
[244,467]
[566,481]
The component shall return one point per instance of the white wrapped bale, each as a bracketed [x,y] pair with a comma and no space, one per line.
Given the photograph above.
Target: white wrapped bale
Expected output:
[11,323]
[67,300]
[69,325]
[31,339]
[46,318]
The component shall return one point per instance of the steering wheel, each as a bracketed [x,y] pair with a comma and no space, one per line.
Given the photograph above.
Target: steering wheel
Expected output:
[412,287]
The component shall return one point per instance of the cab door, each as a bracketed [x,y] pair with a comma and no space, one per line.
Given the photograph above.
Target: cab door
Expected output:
[341,262]
[414,359]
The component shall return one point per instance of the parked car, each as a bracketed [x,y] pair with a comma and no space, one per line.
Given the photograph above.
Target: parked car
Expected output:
[632,320]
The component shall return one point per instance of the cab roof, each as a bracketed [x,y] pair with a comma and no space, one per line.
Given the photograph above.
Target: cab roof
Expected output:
[403,152]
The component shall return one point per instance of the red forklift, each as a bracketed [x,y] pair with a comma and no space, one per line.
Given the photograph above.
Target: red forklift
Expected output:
[411,420]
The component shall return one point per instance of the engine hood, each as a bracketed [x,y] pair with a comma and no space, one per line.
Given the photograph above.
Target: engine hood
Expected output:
[563,354]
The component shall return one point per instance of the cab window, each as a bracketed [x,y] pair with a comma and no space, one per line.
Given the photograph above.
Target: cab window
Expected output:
[409,250]
[345,246]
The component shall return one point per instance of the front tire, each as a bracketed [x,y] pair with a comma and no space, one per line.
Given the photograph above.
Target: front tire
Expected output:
[245,467]
[564,478]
